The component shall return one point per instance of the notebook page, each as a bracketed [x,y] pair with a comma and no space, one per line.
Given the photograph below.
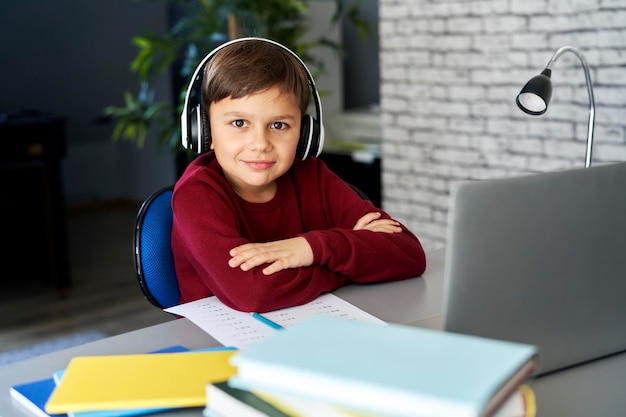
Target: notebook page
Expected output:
[236,328]
[327,304]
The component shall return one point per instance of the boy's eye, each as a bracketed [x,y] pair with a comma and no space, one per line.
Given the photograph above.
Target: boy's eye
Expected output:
[279,125]
[238,123]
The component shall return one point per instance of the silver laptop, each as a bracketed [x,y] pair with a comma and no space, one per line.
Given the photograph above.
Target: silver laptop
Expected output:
[541,259]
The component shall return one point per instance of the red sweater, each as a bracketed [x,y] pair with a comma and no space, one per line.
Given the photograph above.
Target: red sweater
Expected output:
[310,201]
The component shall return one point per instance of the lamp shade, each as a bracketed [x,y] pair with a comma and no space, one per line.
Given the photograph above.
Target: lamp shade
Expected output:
[535,95]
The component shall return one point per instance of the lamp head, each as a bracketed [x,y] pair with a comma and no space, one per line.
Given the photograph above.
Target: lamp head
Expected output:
[536,94]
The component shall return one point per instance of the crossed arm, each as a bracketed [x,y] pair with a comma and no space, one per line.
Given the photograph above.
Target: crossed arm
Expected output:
[296,252]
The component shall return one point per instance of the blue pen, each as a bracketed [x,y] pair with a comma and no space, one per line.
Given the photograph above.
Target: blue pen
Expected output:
[267,321]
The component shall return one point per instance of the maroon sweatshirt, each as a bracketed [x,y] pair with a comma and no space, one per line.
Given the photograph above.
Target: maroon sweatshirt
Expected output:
[311,201]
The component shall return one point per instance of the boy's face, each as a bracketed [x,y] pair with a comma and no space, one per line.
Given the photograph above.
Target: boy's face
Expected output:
[255,139]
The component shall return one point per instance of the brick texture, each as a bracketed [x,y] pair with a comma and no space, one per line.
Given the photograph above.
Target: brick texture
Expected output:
[450,72]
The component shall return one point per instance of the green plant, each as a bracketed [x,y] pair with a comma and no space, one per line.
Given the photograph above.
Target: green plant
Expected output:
[203,26]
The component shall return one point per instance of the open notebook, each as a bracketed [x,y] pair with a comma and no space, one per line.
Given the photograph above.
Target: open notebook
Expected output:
[541,259]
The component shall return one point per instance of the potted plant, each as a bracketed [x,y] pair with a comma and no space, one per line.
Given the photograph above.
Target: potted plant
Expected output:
[199,26]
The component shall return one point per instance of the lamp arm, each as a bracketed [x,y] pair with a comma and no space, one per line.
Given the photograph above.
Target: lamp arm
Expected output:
[592,106]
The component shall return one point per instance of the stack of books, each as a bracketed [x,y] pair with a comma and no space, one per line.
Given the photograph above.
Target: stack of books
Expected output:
[326,366]
[321,366]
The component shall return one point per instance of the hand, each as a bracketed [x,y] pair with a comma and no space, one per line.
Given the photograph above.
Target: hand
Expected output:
[280,254]
[372,221]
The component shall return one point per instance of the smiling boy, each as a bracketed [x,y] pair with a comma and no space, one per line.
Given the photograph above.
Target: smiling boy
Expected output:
[256,225]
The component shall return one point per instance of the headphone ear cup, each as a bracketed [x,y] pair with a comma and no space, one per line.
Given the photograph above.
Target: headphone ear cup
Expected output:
[317,138]
[311,138]
[310,141]
[194,123]
[305,137]
[206,131]
[199,130]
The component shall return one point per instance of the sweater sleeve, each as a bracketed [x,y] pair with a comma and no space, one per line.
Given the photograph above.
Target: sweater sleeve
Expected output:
[362,255]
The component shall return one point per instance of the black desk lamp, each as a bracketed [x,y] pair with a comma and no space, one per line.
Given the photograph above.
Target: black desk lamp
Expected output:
[535,96]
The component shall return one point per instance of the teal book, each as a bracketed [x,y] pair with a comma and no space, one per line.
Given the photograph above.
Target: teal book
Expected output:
[393,370]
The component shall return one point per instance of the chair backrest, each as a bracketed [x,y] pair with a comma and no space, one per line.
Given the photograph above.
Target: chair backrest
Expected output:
[153,259]
[360,192]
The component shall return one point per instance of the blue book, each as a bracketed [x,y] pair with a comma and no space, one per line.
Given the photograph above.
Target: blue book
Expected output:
[34,395]
[391,370]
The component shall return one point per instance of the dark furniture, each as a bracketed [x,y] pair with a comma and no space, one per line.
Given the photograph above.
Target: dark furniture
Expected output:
[32,208]
[364,175]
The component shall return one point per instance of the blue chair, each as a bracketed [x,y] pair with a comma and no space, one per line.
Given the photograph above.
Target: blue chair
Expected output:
[153,259]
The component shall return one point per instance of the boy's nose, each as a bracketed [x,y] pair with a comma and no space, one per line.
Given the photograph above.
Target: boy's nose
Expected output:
[259,140]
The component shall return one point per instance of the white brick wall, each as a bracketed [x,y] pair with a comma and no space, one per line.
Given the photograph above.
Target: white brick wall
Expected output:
[450,72]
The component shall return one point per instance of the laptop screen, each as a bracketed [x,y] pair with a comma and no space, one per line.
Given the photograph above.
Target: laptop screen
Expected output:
[541,259]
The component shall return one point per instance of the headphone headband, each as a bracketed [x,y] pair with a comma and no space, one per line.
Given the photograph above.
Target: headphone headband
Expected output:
[311,139]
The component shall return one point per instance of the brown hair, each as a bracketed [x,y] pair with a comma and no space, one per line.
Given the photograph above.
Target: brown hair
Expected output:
[251,66]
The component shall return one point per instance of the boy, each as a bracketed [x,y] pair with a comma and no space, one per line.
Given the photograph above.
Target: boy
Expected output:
[258,227]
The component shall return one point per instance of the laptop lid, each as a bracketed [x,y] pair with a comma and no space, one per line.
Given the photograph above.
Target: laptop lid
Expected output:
[541,259]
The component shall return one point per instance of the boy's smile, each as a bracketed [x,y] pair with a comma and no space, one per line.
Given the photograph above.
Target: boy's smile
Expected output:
[255,139]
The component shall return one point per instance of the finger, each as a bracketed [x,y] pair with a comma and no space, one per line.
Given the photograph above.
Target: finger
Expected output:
[274,267]
[257,259]
[383,222]
[244,256]
[234,262]
[365,220]
[386,227]
[241,249]
[267,253]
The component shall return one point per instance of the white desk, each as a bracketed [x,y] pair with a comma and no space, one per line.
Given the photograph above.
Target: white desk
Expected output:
[596,389]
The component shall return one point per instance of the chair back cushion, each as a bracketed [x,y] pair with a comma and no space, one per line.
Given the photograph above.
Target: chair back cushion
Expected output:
[154,261]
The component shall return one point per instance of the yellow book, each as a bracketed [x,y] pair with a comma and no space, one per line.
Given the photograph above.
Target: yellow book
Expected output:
[112,382]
